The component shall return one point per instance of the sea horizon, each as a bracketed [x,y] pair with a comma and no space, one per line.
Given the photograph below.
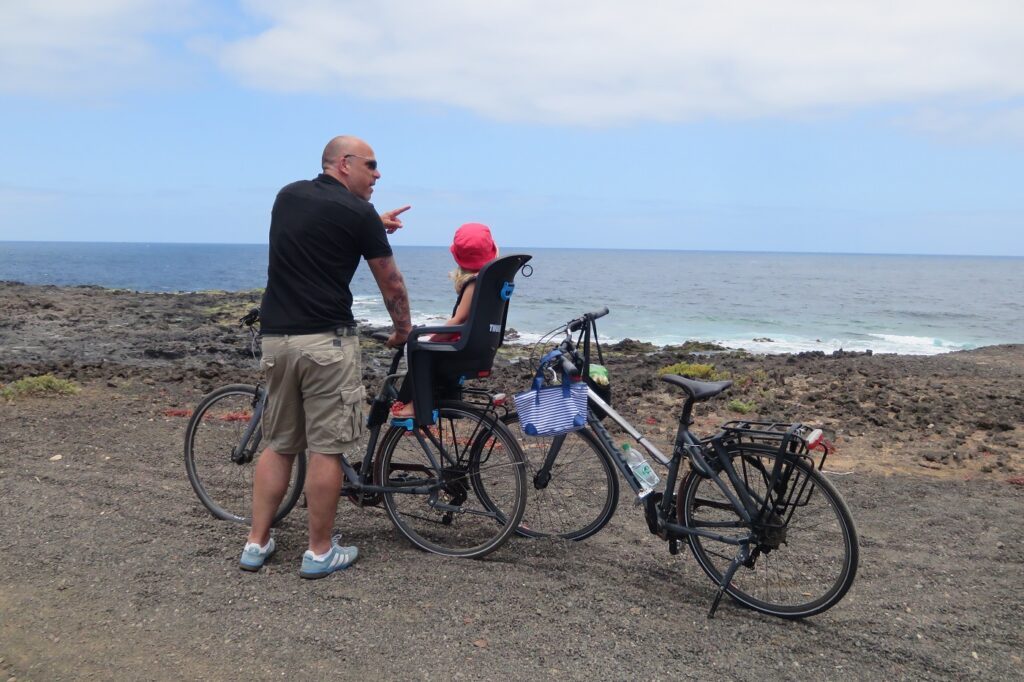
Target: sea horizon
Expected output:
[763,302]
[524,249]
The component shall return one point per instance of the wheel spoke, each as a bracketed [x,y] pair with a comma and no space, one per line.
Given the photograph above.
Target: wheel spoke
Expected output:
[797,568]
[215,430]
[581,494]
[482,486]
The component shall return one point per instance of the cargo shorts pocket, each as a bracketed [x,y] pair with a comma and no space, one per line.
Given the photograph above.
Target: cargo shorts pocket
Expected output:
[326,373]
[352,423]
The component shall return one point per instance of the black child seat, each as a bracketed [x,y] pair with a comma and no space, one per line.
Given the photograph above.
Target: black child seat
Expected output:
[439,367]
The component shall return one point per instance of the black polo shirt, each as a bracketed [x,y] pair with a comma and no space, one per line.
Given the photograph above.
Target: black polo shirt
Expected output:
[318,232]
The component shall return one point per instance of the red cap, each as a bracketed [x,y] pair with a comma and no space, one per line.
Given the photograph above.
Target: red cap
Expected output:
[473,246]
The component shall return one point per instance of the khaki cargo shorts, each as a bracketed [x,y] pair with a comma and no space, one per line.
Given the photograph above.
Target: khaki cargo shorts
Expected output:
[315,394]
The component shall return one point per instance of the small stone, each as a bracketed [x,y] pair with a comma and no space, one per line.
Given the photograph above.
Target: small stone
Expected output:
[999,545]
[480,643]
[974,655]
[56,458]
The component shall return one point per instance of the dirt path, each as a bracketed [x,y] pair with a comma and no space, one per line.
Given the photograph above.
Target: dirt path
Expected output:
[112,569]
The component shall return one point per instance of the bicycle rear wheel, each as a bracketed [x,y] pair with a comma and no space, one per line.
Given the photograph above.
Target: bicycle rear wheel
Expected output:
[479,492]
[582,492]
[214,431]
[805,553]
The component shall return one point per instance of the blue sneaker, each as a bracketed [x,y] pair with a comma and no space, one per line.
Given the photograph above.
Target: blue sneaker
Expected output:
[337,559]
[253,555]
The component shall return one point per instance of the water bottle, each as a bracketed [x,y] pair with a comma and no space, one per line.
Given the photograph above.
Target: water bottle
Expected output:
[640,468]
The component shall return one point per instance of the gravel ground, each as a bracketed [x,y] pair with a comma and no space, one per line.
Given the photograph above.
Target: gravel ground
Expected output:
[111,569]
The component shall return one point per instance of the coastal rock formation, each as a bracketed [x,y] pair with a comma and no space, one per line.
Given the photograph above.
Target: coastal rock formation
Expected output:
[905,409]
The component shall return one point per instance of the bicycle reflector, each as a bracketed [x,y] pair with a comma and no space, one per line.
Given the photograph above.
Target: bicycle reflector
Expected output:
[814,439]
[498,399]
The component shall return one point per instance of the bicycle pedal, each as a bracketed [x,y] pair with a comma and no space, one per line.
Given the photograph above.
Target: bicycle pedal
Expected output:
[673,547]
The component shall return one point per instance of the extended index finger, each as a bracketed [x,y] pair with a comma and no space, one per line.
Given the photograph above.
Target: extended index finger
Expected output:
[399,211]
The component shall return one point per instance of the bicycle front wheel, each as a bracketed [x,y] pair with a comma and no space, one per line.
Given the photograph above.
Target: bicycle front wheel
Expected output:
[215,430]
[468,505]
[578,496]
[804,552]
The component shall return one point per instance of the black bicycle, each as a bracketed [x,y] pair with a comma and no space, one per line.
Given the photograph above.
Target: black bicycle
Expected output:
[760,518]
[456,487]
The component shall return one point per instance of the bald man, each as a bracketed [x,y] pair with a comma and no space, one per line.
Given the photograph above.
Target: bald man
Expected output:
[320,229]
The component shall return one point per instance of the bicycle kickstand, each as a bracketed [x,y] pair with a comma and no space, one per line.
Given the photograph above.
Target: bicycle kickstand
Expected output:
[741,557]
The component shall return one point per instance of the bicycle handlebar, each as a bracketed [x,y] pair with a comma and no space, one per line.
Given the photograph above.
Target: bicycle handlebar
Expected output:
[250,318]
[568,368]
[399,352]
[577,324]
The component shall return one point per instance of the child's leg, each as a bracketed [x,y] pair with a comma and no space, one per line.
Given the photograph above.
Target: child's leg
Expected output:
[405,398]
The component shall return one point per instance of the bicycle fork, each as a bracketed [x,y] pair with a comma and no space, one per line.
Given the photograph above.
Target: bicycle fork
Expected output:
[244,452]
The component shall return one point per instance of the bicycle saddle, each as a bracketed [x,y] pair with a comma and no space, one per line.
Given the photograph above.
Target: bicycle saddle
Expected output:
[698,390]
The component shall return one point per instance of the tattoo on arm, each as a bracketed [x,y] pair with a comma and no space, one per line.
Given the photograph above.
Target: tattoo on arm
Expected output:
[392,288]
[398,308]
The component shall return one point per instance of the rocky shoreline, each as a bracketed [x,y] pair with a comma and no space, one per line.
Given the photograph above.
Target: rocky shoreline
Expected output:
[958,411]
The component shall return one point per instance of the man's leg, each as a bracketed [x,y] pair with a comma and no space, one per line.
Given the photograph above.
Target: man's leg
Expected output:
[270,483]
[323,486]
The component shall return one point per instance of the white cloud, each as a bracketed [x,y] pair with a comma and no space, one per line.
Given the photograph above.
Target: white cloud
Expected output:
[970,123]
[604,61]
[58,48]
[590,62]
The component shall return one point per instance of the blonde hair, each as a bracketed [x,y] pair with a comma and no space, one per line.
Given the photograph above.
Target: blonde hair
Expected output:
[461,275]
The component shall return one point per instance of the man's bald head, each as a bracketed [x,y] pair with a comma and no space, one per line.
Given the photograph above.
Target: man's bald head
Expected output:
[358,176]
[337,148]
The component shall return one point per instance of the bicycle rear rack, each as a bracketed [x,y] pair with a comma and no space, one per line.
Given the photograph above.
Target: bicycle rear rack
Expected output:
[796,439]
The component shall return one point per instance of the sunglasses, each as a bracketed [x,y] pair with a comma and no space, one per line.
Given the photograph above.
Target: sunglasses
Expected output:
[370,163]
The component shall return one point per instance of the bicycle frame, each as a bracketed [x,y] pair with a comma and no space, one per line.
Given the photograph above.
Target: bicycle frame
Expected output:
[665,504]
[359,481]
[243,453]
[748,508]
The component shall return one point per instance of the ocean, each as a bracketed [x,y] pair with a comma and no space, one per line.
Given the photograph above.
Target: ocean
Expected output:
[763,302]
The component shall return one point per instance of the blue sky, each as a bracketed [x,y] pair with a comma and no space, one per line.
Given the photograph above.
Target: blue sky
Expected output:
[861,127]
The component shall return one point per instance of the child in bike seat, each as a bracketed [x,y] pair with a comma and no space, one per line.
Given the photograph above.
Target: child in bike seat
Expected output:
[472,248]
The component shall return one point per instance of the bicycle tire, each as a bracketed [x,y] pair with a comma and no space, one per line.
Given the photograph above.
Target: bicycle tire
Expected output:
[801,567]
[468,526]
[582,493]
[215,428]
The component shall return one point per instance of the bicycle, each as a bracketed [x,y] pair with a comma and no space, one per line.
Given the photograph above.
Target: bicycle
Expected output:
[753,485]
[456,487]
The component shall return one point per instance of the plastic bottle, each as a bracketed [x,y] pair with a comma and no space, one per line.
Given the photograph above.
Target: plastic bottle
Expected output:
[640,468]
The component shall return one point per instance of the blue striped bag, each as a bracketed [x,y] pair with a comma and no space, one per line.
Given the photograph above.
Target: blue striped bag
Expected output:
[552,410]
